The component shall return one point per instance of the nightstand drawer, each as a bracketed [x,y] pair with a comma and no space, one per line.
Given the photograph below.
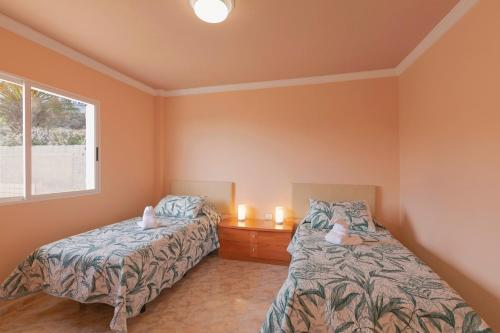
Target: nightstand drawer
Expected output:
[248,236]
[275,252]
[268,237]
[236,235]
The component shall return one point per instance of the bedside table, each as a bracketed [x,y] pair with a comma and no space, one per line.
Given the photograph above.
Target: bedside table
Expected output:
[255,240]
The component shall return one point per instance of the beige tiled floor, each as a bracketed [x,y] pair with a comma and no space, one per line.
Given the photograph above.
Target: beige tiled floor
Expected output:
[217,295]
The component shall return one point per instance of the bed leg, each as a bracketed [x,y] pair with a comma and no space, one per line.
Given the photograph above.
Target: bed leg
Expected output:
[143,309]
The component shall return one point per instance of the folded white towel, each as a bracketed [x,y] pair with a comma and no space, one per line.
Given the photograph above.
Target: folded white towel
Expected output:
[341,227]
[148,219]
[340,235]
[343,240]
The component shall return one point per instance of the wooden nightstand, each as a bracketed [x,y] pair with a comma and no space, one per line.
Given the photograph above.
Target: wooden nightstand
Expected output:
[255,240]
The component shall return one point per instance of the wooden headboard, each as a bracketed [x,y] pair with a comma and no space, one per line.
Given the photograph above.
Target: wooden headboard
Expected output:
[220,194]
[302,192]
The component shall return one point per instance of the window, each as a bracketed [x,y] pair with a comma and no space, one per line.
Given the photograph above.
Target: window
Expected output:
[11,140]
[48,142]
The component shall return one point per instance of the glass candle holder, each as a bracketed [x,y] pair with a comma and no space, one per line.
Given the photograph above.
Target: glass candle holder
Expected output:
[242,212]
[279,215]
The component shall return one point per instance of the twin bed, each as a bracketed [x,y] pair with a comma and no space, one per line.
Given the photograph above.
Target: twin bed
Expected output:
[377,286]
[121,264]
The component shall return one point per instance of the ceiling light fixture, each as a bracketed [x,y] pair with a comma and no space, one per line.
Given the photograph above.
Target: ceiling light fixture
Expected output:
[212,11]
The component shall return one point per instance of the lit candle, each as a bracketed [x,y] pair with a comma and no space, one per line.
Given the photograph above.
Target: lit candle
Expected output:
[242,212]
[279,215]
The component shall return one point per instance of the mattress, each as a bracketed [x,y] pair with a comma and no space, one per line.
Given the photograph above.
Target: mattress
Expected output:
[378,286]
[119,264]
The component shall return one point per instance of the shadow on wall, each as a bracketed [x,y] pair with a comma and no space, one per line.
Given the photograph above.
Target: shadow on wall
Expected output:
[473,293]
[393,226]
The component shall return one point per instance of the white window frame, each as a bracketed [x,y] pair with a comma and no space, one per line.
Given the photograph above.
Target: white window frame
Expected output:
[94,142]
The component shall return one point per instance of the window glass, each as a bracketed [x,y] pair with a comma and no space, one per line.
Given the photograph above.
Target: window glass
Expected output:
[11,140]
[63,147]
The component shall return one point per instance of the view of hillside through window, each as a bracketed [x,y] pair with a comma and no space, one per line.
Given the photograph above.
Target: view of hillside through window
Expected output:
[58,142]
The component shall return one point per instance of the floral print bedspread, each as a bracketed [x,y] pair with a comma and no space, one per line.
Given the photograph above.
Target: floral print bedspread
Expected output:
[119,264]
[378,286]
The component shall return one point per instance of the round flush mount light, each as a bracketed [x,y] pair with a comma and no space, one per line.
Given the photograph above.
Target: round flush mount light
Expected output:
[212,11]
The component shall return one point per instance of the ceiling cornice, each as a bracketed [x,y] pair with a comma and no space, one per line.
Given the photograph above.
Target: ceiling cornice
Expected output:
[39,38]
[303,81]
[460,9]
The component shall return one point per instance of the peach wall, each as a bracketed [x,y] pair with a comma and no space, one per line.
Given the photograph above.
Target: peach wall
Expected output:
[428,140]
[264,140]
[126,151]
[450,165]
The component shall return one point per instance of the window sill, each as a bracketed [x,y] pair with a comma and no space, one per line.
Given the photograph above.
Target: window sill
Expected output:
[45,197]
